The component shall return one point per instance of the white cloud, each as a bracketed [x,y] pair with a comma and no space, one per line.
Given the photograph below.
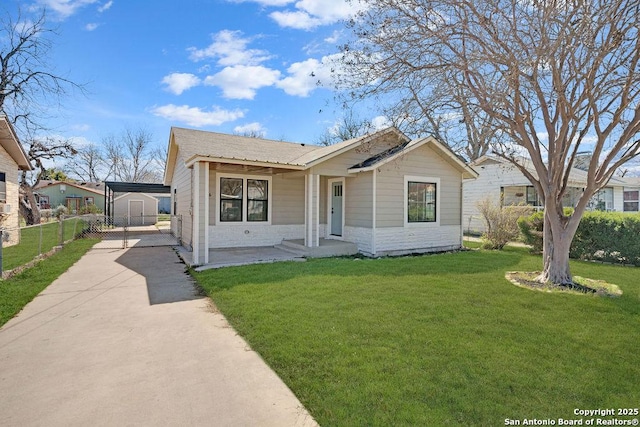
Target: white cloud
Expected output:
[380,122]
[91,26]
[313,13]
[194,116]
[308,75]
[254,128]
[295,19]
[241,81]
[105,6]
[179,82]
[268,2]
[65,8]
[229,48]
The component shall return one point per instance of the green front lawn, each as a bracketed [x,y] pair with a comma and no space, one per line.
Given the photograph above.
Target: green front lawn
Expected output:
[19,290]
[36,240]
[436,340]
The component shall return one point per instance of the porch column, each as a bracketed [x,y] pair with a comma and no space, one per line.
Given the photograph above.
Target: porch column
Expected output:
[312,210]
[200,213]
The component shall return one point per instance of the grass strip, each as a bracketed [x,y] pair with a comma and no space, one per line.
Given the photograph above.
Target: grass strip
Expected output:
[18,291]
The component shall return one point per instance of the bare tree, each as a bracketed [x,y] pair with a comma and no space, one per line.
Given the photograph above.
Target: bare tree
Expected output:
[28,88]
[39,151]
[89,164]
[349,126]
[555,77]
[131,157]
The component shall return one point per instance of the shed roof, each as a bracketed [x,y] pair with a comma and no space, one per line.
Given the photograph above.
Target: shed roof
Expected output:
[137,187]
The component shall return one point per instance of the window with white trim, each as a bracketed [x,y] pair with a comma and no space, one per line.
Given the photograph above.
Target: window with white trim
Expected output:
[421,201]
[244,199]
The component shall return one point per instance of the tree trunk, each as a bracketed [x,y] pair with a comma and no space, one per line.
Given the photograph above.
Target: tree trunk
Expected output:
[555,253]
[28,205]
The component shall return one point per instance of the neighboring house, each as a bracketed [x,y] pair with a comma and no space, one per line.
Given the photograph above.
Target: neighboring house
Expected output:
[72,195]
[631,196]
[135,209]
[12,160]
[381,192]
[503,183]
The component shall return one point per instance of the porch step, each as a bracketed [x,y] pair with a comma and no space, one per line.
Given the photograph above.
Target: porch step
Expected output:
[327,248]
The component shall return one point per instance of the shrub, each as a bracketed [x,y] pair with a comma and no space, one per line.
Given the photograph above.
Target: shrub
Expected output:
[89,209]
[501,222]
[609,237]
[59,211]
[531,228]
[602,236]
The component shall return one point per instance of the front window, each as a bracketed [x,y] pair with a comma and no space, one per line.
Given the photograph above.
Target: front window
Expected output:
[231,199]
[421,201]
[631,201]
[257,199]
[244,199]
[88,201]
[532,196]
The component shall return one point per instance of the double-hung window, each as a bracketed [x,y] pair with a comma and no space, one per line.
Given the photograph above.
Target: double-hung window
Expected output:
[244,199]
[631,200]
[421,201]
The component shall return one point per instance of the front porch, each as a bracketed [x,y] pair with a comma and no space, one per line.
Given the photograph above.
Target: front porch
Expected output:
[288,250]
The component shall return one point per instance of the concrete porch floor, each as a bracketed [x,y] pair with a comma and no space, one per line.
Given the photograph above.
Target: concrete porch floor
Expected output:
[291,250]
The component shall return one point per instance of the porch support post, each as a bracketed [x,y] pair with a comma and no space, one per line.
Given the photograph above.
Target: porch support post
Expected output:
[200,213]
[312,210]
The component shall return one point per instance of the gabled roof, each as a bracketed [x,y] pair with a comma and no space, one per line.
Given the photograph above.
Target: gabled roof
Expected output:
[196,145]
[93,187]
[11,144]
[402,149]
[576,176]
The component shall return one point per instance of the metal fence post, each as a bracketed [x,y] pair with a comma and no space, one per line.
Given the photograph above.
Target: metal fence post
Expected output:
[1,245]
[61,230]
[40,242]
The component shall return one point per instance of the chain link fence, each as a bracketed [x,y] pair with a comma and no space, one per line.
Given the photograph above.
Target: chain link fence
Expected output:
[21,246]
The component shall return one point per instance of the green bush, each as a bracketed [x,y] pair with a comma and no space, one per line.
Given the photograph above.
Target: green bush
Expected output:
[608,236]
[531,230]
[603,236]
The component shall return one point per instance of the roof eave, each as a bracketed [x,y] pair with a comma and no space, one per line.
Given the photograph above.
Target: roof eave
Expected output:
[468,172]
[198,158]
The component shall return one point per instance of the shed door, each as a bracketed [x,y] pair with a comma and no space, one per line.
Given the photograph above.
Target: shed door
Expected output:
[336,208]
[135,212]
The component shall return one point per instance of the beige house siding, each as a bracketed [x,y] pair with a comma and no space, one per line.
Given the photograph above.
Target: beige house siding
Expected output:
[287,204]
[422,161]
[181,184]
[359,201]
[12,223]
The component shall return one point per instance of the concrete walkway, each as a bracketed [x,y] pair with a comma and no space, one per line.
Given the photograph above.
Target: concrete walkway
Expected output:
[122,339]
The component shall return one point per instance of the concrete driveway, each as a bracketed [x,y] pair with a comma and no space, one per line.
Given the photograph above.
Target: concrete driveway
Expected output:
[122,339]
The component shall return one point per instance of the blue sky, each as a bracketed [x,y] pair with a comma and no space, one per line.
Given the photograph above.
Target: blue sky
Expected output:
[225,66]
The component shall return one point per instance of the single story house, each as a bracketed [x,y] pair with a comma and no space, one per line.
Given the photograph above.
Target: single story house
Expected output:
[13,159]
[382,192]
[503,183]
[72,195]
[135,209]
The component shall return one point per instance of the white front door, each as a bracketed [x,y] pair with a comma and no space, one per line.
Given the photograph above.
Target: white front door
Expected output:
[336,208]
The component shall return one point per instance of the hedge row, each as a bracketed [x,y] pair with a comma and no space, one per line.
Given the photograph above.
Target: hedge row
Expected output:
[602,236]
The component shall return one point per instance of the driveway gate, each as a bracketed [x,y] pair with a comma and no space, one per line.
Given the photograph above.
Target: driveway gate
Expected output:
[133,231]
